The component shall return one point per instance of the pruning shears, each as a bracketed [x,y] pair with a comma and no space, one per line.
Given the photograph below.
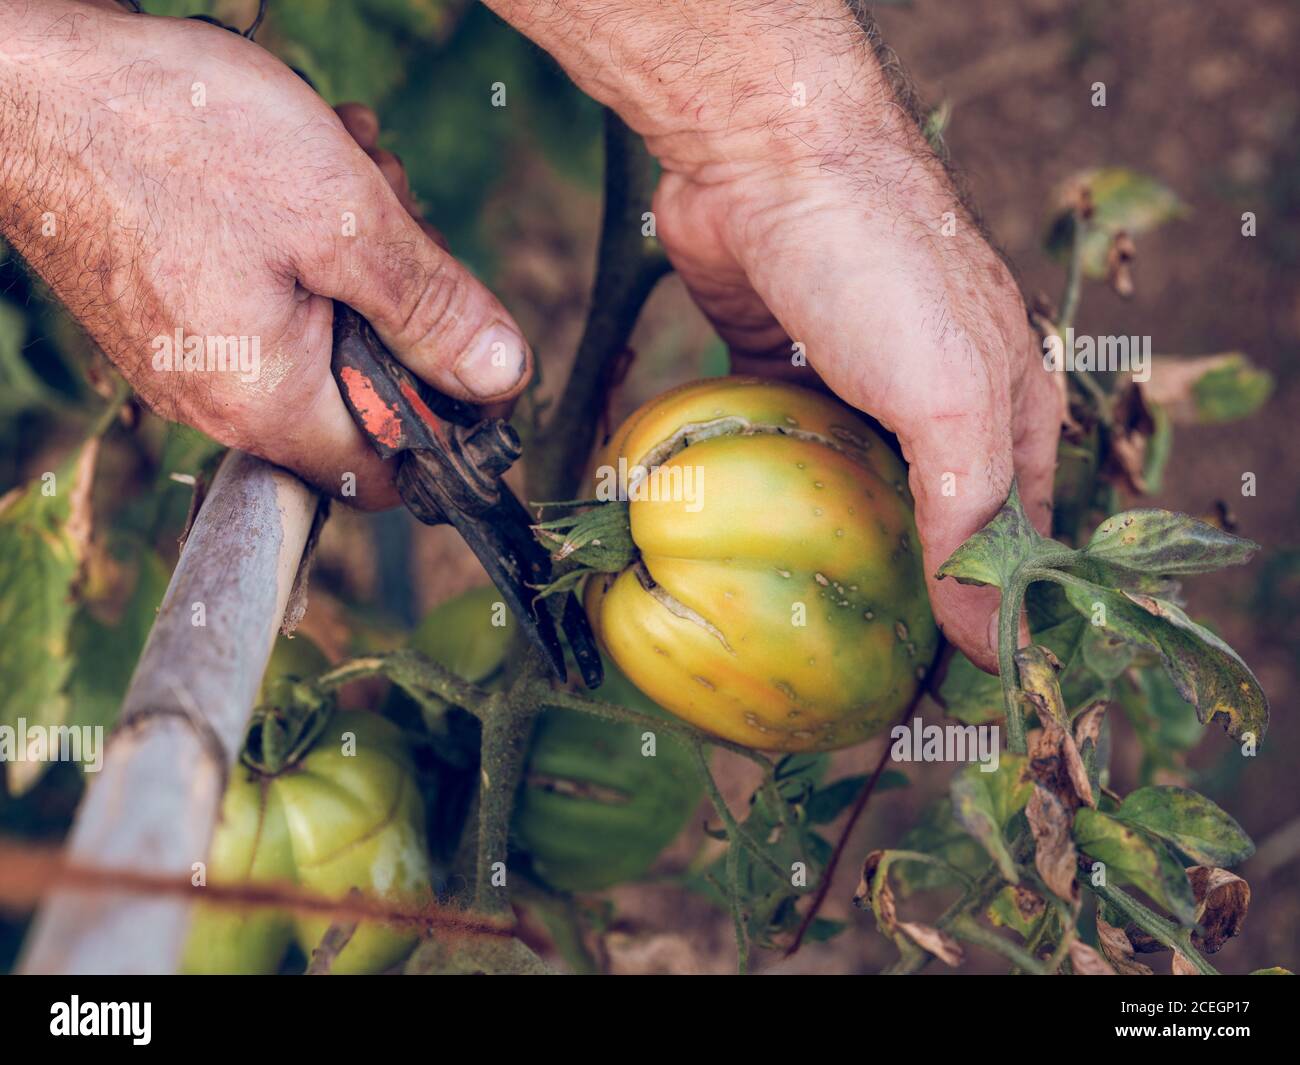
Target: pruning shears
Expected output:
[450,461]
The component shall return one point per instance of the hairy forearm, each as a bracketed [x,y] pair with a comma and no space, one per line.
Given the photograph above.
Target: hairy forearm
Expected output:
[718,86]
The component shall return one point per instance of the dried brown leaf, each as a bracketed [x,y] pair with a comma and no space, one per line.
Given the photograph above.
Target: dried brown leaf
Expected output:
[1087,962]
[1054,855]
[936,941]
[1118,950]
[1222,900]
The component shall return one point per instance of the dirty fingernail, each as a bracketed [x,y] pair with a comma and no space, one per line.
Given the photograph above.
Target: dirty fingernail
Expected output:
[494,362]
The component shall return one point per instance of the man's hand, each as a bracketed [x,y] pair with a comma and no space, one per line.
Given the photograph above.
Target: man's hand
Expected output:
[806,213]
[166,176]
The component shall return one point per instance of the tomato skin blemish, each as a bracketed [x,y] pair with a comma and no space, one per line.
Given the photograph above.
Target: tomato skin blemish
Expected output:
[381,421]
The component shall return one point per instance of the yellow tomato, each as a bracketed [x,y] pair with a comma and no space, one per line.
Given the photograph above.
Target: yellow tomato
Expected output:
[778,600]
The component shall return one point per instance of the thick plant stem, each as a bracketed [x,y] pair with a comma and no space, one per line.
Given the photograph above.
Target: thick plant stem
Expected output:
[1179,939]
[507,721]
[627,267]
[626,270]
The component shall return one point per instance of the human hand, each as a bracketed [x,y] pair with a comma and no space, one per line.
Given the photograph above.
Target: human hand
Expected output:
[802,207]
[166,175]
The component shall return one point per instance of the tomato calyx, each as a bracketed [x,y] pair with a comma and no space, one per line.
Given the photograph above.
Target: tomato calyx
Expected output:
[283,730]
[595,539]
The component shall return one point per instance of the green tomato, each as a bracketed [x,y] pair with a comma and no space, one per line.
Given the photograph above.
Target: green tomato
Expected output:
[345,815]
[595,810]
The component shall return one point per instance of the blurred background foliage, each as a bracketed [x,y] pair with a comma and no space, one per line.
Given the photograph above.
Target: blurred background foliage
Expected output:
[1199,98]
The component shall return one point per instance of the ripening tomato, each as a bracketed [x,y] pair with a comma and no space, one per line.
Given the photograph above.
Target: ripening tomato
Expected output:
[777,596]
[344,814]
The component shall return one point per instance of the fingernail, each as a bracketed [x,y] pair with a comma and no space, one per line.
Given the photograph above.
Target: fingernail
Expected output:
[993,634]
[494,361]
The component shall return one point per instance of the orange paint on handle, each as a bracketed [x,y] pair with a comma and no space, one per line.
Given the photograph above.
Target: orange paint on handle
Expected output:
[381,421]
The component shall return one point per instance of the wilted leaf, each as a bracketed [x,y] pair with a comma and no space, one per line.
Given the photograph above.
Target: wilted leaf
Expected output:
[1222,901]
[1132,857]
[874,893]
[1037,668]
[1180,966]
[1087,726]
[1275,970]
[1207,389]
[1204,669]
[1087,962]
[1159,541]
[1118,950]
[935,940]
[1017,908]
[983,803]
[1054,854]
[992,555]
[1188,820]
[1119,201]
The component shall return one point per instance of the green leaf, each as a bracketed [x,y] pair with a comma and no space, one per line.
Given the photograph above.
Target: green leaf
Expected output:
[1005,911]
[823,929]
[1233,390]
[1105,654]
[937,833]
[1275,970]
[993,554]
[1164,722]
[104,653]
[829,802]
[1132,857]
[43,541]
[1161,542]
[1190,821]
[1205,670]
[983,803]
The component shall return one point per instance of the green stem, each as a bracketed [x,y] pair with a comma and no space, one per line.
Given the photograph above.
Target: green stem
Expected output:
[1073,275]
[1155,925]
[1179,939]
[1013,601]
[973,900]
[967,928]
[507,719]
[735,831]
[568,700]
[411,671]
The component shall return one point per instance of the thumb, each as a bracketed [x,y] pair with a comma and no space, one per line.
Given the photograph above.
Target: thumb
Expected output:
[960,470]
[433,314]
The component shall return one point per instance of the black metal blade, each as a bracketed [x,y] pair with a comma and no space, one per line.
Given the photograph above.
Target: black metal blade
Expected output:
[577,629]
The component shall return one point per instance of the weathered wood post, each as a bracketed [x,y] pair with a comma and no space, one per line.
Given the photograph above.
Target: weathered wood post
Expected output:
[152,807]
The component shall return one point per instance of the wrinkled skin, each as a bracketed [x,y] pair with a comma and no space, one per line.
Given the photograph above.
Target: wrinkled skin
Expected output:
[788,610]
